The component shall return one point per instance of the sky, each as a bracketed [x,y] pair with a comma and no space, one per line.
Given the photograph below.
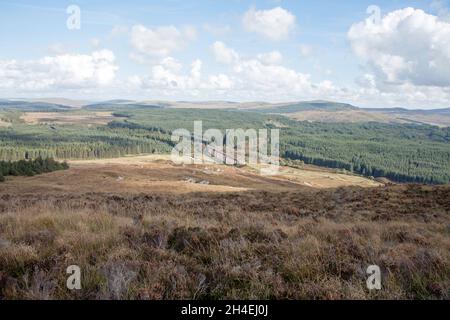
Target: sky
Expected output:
[392,53]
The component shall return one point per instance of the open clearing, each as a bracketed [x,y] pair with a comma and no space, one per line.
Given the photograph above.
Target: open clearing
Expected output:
[156,173]
[94,118]
[338,116]
[360,116]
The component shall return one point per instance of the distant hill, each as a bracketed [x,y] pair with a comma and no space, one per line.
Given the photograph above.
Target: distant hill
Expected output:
[445,111]
[31,106]
[314,111]
[61,101]
[109,105]
[333,112]
[305,106]
[116,101]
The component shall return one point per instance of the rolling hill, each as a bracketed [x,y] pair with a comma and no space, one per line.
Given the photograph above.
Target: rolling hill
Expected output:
[316,111]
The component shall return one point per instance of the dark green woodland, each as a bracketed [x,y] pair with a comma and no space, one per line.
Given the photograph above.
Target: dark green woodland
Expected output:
[415,153]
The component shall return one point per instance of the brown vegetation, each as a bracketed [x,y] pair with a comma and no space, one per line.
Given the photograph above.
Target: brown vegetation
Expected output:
[361,116]
[156,173]
[93,118]
[290,243]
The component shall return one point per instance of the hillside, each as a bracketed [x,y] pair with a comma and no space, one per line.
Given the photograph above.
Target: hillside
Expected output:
[332,112]
[317,111]
[141,228]
[399,152]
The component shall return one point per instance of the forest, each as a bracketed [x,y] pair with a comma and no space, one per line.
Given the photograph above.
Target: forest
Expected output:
[400,152]
[30,167]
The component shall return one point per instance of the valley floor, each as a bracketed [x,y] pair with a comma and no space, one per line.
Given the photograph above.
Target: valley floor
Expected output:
[144,228]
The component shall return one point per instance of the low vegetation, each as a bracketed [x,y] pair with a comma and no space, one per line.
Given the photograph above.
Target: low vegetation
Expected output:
[252,245]
[185,232]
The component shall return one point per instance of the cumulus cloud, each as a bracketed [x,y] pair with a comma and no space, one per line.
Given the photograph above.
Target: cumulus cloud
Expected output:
[223,54]
[264,79]
[168,75]
[161,41]
[408,46]
[273,57]
[254,78]
[274,24]
[170,78]
[220,82]
[261,77]
[66,71]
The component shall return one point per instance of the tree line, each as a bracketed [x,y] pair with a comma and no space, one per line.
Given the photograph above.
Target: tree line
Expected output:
[30,167]
[402,153]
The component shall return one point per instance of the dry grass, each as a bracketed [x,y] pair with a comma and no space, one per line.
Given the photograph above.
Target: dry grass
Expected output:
[339,116]
[156,173]
[358,116]
[94,118]
[308,244]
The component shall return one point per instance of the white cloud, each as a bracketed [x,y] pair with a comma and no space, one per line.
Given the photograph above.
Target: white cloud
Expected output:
[67,71]
[170,79]
[139,57]
[273,57]
[223,54]
[404,95]
[261,79]
[274,24]
[221,82]
[408,46]
[169,76]
[407,56]
[161,41]
[252,79]
[258,78]
[171,64]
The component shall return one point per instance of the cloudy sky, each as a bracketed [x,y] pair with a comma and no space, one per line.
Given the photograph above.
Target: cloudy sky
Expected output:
[369,53]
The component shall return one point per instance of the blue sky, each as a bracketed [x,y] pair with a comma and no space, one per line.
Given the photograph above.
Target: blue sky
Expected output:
[228,50]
